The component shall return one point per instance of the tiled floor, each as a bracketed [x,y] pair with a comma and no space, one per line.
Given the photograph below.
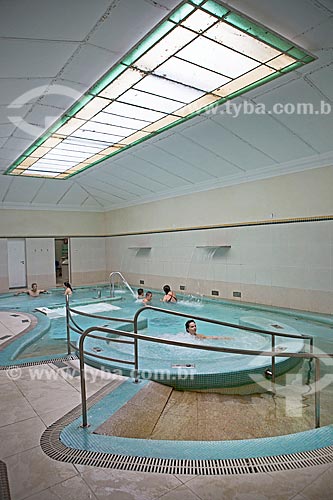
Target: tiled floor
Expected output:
[33,399]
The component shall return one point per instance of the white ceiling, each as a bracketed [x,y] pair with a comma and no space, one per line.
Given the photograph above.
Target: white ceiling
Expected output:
[57,49]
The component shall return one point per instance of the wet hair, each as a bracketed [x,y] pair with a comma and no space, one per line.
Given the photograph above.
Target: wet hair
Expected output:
[140,291]
[187,324]
[33,284]
[68,285]
[149,293]
[166,289]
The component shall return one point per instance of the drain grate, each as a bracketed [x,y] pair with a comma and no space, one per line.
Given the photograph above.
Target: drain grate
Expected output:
[70,357]
[4,485]
[54,448]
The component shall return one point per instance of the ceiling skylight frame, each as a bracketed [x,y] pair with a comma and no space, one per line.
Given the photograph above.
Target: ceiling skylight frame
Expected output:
[94,103]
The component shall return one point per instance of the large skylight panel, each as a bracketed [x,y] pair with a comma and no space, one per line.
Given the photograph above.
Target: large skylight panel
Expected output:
[202,54]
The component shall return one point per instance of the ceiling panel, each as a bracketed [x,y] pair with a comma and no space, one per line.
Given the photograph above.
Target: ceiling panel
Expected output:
[60,20]
[219,140]
[265,132]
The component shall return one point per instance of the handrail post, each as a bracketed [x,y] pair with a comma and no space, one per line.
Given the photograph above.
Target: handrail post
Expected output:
[317,392]
[273,364]
[68,335]
[136,351]
[83,383]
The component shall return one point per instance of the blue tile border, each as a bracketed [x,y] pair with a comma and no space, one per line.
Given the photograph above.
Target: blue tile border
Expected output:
[73,436]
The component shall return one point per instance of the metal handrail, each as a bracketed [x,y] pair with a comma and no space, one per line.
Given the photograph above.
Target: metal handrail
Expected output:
[111,278]
[136,336]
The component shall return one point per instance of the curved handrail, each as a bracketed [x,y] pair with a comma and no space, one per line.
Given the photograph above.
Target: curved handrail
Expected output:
[136,336]
[111,278]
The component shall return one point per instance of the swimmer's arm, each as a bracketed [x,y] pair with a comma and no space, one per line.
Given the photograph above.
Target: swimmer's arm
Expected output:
[23,291]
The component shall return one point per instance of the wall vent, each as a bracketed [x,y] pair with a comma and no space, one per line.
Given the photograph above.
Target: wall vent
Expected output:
[215,292]
[236,294]
[142,282]
[182,287]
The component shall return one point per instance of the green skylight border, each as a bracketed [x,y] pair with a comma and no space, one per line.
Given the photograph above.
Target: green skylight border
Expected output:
[215,8]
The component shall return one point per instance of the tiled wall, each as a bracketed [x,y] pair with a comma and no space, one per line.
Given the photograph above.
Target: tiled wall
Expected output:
[287,265]
[88,261]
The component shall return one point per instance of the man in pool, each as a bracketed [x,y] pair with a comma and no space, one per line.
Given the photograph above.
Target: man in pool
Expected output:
[146,301]
[33,292]
[191,328]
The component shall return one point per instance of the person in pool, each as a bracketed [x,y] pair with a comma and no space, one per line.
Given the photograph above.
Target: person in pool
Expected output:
[68,288]
[146,301]
[169,296]
[141,293]
[33,292]
[191,328]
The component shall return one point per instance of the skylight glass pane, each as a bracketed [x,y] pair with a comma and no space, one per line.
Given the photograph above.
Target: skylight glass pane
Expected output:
[243,43]
[84,142]
[97,136]
[107,129]
[161,123]
[51,142]
[69,127]
[126,110]
[150,101]
[42,173]
[120,120]
[213,56]
[84,149]
[93,107]
[243,81]
[281,62]
[57,162]
[66,155]
[196,105]
[41,151]
[122,83]
[190,74]
[135,137]
[168,46]
[199,21]
[59,167]
[166,88]
[28,161]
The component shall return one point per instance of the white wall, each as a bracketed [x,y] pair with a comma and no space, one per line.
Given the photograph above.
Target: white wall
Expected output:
[25,223]
[304,194]
[287,265]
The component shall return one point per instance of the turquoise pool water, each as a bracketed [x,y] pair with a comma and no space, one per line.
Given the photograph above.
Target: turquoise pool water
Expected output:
[49,337]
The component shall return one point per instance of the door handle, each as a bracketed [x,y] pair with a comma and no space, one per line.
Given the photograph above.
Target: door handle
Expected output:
[22,261]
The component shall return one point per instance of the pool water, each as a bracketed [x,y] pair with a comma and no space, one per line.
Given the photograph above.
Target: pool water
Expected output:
[51,338]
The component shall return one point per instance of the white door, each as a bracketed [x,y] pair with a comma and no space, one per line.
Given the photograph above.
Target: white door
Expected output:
[17,275]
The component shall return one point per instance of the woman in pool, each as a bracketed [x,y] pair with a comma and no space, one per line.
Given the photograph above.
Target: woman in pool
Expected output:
[169,296]
[191,328]
[68,288]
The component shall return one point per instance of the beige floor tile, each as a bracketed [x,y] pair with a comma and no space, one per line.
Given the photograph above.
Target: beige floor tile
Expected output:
[243,487]
[20,436]
[121,485]
[180,493]
[32,471]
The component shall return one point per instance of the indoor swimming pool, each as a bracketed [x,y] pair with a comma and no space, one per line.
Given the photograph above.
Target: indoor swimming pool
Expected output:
[180,367]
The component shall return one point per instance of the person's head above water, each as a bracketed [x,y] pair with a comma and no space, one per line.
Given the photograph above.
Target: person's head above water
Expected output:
[191,327]
[140,292]
[166,289]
